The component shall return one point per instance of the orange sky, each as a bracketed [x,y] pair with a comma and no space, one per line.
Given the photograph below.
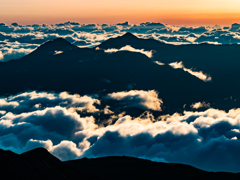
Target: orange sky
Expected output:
[175,12]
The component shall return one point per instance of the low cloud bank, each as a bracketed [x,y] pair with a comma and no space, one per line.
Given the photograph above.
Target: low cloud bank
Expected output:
[32,101]
[91,35]
[142,99]
[208,140]
[198,74]
[8,54]
[130,48]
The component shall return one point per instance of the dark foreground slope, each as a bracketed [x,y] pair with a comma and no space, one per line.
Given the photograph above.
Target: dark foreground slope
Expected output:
[40,164]
[37,164]
[129,168]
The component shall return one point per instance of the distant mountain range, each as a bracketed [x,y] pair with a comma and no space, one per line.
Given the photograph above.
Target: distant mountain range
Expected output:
[61,66]
[40,164]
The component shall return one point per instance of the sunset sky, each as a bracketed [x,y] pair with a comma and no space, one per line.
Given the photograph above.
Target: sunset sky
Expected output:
[174,12]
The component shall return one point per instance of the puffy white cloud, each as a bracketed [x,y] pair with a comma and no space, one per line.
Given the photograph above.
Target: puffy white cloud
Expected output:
[200,75]
[66,150]
[235,27]
[8,54]
[2,113]
[188,30]
[6,28]
[146,27]
[200,105]
[86,28]
[32,144]
[195,138]
[138,98]
[60,31]
[31,101]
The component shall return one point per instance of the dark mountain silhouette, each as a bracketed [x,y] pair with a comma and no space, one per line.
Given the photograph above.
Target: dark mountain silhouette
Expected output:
[40,164]
[88,71]
[49,47]
[134,168]
[130,39]
[221,62]
[37,164]
[81,70]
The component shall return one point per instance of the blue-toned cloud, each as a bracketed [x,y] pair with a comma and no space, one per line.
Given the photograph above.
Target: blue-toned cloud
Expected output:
[7,54]
[142,99]
[208,140]
[32,101]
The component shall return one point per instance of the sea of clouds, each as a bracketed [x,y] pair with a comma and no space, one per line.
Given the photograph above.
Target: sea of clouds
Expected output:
[67,125]
[18,40]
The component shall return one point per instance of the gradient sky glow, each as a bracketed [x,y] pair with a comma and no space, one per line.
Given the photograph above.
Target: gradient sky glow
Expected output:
[175,12]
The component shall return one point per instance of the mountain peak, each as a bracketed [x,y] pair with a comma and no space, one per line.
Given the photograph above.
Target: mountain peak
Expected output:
[120,41]
[129,35]
[36,151]
[58,44]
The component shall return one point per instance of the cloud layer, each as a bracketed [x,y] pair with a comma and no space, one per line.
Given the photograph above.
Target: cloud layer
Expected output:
[142,99]
[24,39]
[208,140]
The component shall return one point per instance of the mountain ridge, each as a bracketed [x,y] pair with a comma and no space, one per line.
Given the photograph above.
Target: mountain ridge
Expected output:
[64,72]
[58,44]
[40,164]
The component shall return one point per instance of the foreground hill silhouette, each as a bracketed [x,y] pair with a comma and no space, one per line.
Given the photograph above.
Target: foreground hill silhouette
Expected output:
[40,164]
[61,66]
[37,164]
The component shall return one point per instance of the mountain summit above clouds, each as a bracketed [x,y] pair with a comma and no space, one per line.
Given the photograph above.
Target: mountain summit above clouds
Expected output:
[175,72]
[53,46]
[132,40]
[82,70]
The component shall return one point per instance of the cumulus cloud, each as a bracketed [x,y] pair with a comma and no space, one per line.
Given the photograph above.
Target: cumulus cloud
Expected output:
[198,139]
[55,120]
[200,105]
[145,27]
[130,48]
[31,101]
[138,98]
[200,75]
[8,54]
[194,138]
[91,35]
[188,30]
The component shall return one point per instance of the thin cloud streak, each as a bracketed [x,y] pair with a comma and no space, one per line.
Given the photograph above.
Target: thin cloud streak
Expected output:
[200,75]
[129,48]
